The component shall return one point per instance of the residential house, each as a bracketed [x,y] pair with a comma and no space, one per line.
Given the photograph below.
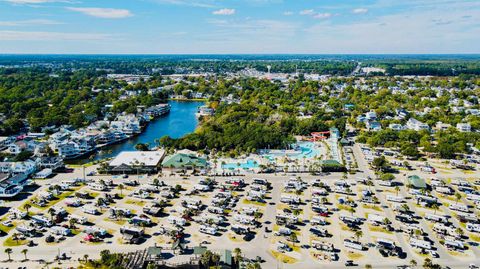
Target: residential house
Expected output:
[416,125]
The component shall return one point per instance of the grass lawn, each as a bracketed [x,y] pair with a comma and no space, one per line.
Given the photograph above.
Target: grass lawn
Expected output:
[373,207]
[354,255]
[9,242]
[378,229]
[474,237]
[119,222]
[135,202]
[283,258]
[247,202]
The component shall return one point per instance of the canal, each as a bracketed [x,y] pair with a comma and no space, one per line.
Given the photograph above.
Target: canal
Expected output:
[180,121]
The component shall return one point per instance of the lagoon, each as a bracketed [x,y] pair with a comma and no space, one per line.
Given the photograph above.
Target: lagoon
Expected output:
[180,121]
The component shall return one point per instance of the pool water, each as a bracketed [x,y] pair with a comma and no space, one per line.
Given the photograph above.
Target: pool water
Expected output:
[302,150]
[249,164]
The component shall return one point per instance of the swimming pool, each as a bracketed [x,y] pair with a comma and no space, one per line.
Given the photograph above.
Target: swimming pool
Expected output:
[249,164]
[301,150]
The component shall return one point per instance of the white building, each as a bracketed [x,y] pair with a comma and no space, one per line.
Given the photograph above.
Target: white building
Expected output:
[416,125]
[464,127]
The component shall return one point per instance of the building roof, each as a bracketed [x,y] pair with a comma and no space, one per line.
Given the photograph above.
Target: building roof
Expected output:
[147,158]
[417,182]
[181,160]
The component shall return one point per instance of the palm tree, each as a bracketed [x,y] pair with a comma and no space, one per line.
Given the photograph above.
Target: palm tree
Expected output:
[293,238]
[72,222]
[27,207]
[205,258]
[216,259]
[435,207]
[24,252]
[368,266]
[8,251]
[51,211]
[156,183]
[458,196]
[358,234]
[397,189]
[121,187]
[237,252]
[85,257]
[413,263]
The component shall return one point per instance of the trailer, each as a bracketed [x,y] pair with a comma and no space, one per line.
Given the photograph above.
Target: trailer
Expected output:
[376,219]
[473,227]
[436,218]
[323,246]
[396,199]
[349,243]
[208,230]
[419,243]
[78,219]
[42,220]
[459,207]
[176,221]
[473,197]
[90,210]
[97,231]
[59,230]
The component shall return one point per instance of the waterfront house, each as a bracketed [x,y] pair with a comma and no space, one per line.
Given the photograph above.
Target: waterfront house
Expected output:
[10,185]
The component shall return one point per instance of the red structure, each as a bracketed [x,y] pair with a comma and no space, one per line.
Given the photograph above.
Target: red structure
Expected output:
[316,136]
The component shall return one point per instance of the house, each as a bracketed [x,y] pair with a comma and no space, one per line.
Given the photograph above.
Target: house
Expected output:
[416,125]
[54,163]
[373,125]
[464,127]
[184,161]
[136,162]
[395,126]
[440,126]
[10,185]
[5,141]
[22,145]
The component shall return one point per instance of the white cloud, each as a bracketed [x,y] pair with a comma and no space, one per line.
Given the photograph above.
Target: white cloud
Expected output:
[322,15]
[29,22]
[224,12]
[360,11]
[307,12]
[106,13]
[197,3]
[48,36]
[288,13]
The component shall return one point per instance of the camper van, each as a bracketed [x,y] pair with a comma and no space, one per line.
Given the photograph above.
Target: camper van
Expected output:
[42,220]
[26,230]
[418,243]
[459,207]
[73,202]
[78,219]
[260,181]
[395,199]
[59,230]
[436,218]
[208,230]
[473,227]
[176,221]
[244,219]
[289,199]
[95,231]
[375,219]
[90,210]
[349,243]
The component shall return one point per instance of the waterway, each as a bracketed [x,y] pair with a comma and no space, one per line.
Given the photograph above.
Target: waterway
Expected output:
[180,121]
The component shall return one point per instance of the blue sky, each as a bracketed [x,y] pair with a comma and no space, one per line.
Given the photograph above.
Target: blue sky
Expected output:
[239,26]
